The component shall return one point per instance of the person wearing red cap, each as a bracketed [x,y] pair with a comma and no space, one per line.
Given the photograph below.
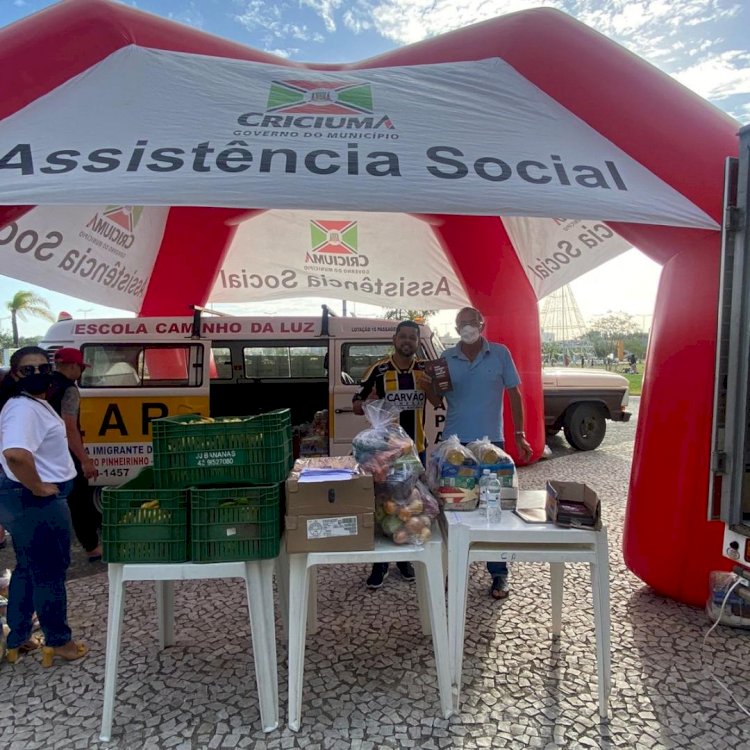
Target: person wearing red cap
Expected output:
[65,399]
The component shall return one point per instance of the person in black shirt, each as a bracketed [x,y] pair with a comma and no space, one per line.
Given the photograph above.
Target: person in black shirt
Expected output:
[65,399]
[400,380]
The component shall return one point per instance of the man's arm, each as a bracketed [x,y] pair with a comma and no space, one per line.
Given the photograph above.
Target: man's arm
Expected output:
[516,409]
[367,391]
[71,403]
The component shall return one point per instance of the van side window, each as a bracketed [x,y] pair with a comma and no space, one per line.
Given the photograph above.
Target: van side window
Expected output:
[221,363]
[285,361]
[136,366]
[356,359]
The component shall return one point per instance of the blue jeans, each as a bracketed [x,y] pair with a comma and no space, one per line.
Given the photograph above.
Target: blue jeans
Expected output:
[40,529]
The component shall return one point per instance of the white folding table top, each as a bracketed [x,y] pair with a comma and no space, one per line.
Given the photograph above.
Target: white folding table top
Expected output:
[511,528]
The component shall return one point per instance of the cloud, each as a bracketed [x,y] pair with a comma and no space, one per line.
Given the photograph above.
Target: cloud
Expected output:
[719,76]
[19,3]
[190,16]
[325,9]
[280,52]
[257,15]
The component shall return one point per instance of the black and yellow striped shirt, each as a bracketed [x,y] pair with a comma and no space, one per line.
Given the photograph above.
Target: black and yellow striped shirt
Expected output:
[400,387]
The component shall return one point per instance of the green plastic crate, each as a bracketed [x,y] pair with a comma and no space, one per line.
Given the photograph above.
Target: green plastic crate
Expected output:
[132,534]
[228,524]
[228,450]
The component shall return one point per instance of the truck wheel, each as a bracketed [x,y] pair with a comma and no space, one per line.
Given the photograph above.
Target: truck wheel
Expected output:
[585,426]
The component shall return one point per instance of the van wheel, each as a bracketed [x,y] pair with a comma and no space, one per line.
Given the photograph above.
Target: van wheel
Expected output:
[585,426]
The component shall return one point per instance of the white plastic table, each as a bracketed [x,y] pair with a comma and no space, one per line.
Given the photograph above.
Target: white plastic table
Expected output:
[298,589]
[472,538]
[258,576]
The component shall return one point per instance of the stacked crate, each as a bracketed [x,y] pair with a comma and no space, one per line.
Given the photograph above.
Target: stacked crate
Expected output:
[223,476]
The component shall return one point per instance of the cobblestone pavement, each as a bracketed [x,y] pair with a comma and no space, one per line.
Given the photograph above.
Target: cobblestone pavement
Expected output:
[369,679]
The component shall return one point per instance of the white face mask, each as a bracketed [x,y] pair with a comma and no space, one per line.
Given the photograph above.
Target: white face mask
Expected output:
[469,334]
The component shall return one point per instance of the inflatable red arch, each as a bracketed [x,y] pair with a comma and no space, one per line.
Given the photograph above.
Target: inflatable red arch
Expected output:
[678,136]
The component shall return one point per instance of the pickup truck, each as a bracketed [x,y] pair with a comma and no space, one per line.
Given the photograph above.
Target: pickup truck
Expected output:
[580,401]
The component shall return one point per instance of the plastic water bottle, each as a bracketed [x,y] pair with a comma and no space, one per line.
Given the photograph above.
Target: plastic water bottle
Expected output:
[483,483]
[493,499]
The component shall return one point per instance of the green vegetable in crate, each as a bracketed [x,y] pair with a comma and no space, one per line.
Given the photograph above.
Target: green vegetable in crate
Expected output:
[149,512]
[240,501]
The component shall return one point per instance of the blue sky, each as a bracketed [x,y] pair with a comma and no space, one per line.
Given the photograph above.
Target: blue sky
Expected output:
[704,44]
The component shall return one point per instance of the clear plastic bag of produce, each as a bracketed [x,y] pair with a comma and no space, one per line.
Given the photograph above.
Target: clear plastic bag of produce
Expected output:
[499,463]
[736,610]
[389,454]
[384,448]
[487,454]
[408,520]
[454,475]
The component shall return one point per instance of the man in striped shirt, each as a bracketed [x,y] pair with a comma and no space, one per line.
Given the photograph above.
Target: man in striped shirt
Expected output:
[400,380]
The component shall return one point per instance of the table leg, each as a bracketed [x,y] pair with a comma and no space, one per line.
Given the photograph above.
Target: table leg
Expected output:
[423,599]
[114,629]
[432,570]
[312,600]
[282,586]
[601,669]
[459,575]
[602,551]
[557,578]
[165,612]
[298,593]
[259,603]
[267,571]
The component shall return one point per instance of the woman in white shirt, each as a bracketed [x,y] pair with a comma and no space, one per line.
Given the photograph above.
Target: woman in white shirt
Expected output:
[36,479]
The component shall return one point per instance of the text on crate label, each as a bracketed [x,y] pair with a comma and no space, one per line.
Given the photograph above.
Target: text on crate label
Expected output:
[322,528]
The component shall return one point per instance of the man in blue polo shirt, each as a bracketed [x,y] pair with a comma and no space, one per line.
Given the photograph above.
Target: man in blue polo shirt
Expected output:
[481,372]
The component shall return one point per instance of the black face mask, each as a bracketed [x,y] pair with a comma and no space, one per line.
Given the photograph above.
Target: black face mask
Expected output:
[36,384]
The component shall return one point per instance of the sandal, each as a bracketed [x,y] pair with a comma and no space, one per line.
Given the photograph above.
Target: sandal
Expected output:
[499,589]
[95,554]
[25,648]
[49,653]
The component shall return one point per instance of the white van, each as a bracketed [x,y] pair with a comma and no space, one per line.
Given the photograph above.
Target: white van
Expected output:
[145,368]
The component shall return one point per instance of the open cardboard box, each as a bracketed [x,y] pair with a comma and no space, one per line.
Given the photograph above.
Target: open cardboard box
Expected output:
[573,504]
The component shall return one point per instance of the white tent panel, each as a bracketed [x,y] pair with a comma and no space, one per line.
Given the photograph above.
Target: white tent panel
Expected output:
[103,254]
[553,252]
[382,259]
[152,127]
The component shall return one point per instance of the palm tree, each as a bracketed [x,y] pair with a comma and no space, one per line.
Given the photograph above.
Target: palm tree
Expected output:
[27,303]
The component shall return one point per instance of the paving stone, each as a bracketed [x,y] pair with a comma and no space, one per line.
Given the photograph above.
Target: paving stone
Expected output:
[370,675]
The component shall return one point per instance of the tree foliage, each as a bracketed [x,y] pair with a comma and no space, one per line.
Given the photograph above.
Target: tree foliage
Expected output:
[614,326]
[24,304]
[399,313]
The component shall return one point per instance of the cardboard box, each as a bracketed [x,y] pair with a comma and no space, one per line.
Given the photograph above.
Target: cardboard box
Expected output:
[330,498]
[331,515]
[573,505]
[349,533]
[437,369]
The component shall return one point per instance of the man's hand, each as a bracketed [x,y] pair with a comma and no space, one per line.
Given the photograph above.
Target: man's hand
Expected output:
[524,449]
[89,469]
[358,407]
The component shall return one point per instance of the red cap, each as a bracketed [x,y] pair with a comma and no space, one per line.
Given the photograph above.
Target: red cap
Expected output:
[70,356]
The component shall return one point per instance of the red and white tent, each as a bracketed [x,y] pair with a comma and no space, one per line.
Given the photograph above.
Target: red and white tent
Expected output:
[149,166]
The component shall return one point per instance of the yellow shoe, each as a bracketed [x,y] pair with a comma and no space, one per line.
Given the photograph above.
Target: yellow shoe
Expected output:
[13,653]
[69,652]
